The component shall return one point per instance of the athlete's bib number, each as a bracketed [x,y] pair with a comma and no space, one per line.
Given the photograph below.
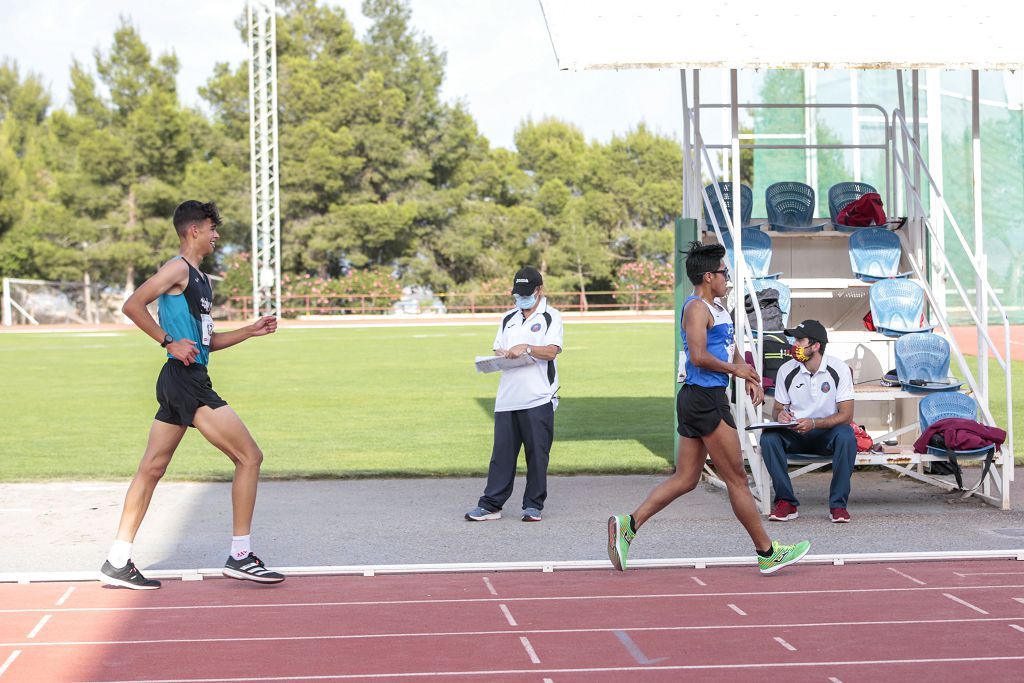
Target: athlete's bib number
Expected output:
[207,325]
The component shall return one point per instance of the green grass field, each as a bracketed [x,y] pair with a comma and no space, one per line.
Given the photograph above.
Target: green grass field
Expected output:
[340,403]
[333,403]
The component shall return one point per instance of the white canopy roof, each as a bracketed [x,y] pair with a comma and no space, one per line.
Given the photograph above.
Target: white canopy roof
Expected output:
[737,34]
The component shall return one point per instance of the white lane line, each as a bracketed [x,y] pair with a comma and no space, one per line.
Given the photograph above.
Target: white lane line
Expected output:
[67,594]
[490,586]
[699,582]
[737,610]
[548,680]
[508,615]
[964,603]
[549,598]
[906,576]
[529,650]
[10,660]
[1019,628]
[490,675]
[39,627]
[990,574]
[833,679]
[1020,600]
[784,644]
[448,634]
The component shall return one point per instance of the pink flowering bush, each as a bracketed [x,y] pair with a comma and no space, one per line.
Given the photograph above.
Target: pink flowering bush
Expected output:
[645,276]
[372,290]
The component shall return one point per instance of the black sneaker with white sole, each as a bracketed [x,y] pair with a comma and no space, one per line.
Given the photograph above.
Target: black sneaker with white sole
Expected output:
[251,568]
[127,576]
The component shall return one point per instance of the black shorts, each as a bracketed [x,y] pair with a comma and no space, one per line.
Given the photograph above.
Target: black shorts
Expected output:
[700,410]
[181,389]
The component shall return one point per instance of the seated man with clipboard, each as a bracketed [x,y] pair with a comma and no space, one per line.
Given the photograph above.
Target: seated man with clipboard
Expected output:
[814,393]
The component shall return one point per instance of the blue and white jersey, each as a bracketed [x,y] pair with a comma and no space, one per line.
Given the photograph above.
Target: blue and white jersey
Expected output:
[721,345]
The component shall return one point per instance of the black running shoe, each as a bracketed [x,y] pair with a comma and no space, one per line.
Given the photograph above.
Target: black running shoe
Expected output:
[127,576]
[251,568]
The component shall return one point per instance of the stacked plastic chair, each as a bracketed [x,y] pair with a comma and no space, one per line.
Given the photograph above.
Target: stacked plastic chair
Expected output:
[954,404]
[791,207]
[897,307]
[757,252]
[875,254]
[841,194]
[922,363]
[746,205]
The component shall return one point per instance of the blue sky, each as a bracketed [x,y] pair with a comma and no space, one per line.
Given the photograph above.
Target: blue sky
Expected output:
[500,60]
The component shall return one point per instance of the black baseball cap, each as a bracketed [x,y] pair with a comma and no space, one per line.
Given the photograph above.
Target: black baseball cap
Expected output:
[526,280]
[809,329]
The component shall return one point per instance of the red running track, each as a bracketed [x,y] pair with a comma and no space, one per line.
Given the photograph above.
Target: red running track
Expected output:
[934,621]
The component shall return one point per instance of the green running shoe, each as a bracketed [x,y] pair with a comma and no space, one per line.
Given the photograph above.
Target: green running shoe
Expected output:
[619,538]
[783,556]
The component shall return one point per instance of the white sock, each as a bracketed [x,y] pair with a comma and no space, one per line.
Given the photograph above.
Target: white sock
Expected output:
[120,553]
[240,547]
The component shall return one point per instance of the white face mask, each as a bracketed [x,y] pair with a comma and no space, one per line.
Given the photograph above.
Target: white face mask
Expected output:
[525,303]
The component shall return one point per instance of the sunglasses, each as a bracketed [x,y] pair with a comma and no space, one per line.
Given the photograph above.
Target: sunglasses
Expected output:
[723,271]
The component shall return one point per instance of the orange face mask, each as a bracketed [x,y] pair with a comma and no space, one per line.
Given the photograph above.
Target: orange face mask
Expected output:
[800,354]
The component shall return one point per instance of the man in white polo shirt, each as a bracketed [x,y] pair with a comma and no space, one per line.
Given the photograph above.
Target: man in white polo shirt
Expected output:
[815,392]
[524,411]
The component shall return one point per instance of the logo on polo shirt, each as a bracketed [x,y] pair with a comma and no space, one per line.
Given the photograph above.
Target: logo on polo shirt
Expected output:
[825,388]
[535,327]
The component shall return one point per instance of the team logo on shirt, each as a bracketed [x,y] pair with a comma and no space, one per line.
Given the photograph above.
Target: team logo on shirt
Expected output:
[825,388]
[535,327]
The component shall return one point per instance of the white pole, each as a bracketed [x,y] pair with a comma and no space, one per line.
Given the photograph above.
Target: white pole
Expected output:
[855,122]
[688,205]
[979,244]
[933,79]
[7,316]
[811,132]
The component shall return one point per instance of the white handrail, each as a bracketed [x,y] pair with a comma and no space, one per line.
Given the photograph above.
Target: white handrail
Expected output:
[746,282]
[1004,361]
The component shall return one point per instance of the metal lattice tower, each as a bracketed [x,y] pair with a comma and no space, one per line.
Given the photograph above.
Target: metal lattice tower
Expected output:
[263,153]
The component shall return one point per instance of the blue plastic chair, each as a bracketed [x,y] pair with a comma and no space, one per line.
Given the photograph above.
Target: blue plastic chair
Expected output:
[922,363]
[897,307]
[841,194]
[757,252]
[785,296]
[875,254]
[746,205]
[937,407]
[791,207]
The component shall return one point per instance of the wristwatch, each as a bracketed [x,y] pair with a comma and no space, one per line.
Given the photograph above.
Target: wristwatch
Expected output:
[168,339]
[529,351]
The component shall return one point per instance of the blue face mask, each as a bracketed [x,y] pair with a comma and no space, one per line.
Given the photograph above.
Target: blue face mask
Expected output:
[525,303]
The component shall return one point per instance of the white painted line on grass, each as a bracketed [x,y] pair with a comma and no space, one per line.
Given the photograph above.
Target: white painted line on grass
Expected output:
[529,650]
[784,644]
[737,610]
[699,582]
[508,615]
[10,660]
[490,586]
[906,576]
[964,603]
[39,627]
[1019,628]
[547,598]
[67,594]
